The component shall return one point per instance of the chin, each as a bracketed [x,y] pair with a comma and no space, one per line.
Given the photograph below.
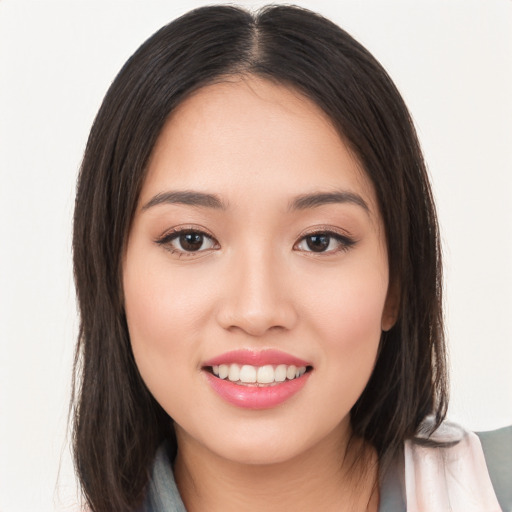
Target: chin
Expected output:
[272,444]
[256,454]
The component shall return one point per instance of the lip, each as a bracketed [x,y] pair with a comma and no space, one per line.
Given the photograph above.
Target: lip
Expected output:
[256,358]
[256,397]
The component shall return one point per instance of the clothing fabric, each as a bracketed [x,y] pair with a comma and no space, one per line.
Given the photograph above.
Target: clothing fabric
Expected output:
[452,471]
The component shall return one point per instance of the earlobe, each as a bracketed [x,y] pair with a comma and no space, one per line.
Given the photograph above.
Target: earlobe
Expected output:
[391,307]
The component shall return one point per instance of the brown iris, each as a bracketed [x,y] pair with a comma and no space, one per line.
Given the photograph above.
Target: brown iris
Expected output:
[191,241]
[318,243]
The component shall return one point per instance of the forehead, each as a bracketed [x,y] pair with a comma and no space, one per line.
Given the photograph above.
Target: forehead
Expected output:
[252,134]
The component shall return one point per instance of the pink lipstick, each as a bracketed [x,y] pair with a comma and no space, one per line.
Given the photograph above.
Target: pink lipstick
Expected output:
[256,379]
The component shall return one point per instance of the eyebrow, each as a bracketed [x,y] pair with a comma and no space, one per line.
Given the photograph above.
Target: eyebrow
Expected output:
[314,200]
[188,197]
[301,202]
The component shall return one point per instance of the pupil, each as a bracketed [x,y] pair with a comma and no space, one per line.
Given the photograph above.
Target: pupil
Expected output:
[318,243]
[191,241]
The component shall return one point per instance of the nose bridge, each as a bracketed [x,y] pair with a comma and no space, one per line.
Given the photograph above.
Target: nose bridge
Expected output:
[257,299]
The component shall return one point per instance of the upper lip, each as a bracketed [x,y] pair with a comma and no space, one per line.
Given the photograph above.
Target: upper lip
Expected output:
[256,358]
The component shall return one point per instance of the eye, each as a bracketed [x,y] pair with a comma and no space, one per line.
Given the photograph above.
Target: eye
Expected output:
[186,241]
[324,242]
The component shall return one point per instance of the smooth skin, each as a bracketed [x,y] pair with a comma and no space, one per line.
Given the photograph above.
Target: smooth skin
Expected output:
[254,265]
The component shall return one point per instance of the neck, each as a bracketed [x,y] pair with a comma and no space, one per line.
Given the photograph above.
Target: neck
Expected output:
[339,474]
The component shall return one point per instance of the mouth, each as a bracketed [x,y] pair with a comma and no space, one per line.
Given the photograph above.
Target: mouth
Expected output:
[258,376]
[257,380]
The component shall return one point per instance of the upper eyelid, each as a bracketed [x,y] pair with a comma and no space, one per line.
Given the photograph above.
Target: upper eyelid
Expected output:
[165,241]
[327,230]
[175,231]
[344,238]
[314,230]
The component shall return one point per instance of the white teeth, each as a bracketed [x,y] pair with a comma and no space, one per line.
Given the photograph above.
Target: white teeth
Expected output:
[234,372]
[290,372]
[247,374]
[267,374]
[223,371]
[280,374]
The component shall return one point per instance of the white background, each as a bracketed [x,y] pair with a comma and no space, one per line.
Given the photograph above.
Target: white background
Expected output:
[452,60]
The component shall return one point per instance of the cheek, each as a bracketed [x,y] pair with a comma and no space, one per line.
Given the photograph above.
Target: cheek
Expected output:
[160,303]
[348,320]
[351,334]
[351,303]
[164,313]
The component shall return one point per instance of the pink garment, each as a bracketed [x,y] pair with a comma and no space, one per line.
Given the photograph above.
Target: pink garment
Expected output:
[448,479]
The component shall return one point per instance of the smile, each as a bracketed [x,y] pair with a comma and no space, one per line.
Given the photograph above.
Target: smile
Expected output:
[266,375]
[256,380]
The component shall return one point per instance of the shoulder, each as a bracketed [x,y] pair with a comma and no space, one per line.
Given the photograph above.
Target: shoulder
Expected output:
[451,468]
[497,448]
[162,494]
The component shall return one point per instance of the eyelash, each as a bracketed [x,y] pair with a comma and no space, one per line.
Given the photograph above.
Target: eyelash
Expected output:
[344,242]
[167,238]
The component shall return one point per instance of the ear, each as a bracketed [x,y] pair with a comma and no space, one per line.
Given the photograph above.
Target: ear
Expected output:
[391,306]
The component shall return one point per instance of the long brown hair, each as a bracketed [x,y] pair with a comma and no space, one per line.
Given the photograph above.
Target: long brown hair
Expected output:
[117,423]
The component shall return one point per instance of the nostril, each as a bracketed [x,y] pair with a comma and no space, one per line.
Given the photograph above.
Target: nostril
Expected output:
[256,309]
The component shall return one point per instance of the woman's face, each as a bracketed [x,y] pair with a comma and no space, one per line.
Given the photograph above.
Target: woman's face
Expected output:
[257,251]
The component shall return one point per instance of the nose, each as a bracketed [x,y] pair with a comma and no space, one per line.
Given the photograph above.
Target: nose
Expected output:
[258,298]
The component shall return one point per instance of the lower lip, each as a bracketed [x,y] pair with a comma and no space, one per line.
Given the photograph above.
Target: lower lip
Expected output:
[254,397]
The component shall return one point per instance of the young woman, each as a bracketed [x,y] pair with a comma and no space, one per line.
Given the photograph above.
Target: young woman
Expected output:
[258,272]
